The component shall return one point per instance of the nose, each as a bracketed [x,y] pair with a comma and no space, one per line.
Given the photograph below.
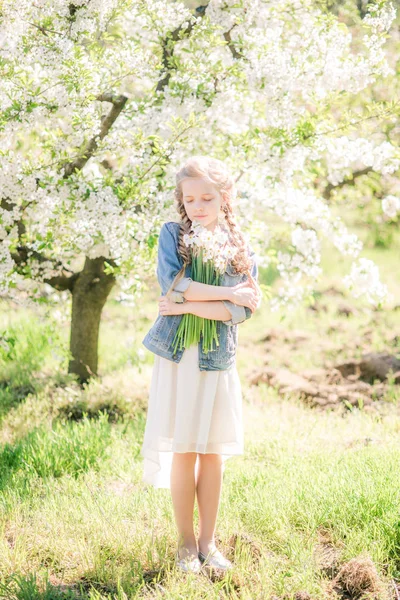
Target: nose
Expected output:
[198,209]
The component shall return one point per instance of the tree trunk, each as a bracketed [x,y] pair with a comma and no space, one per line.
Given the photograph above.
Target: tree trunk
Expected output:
[89,294]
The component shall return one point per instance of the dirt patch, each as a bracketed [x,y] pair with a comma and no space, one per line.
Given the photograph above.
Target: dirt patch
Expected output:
[327,553]
[285,335]
[372,366]
[297,596]
[255,548]
[358,579]
[355,382]
[332,290]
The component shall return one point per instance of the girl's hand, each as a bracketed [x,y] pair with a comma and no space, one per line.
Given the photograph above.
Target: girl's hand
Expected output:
[167,307]
[246,295]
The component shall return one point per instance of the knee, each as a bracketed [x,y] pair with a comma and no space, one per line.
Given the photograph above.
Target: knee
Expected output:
[210,458]
[185,457]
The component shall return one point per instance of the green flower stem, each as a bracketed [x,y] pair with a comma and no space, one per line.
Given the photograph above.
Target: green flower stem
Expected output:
[193,329]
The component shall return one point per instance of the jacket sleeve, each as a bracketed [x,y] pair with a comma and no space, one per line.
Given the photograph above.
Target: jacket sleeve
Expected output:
[168,265]
[242,313]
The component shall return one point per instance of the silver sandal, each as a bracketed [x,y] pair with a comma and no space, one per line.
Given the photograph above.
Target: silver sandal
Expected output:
[188,565]
[215,560]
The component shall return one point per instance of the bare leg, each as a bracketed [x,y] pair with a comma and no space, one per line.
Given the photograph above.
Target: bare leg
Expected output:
[208,490]
[183,495]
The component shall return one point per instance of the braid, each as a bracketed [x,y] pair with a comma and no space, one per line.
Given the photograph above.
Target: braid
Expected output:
[183,250]
[241,261]
[185,225]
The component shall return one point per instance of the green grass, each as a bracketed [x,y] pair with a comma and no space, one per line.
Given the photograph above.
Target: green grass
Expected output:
[77,522]
[88,521]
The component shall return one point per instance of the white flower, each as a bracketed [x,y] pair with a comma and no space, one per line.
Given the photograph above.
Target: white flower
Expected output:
[187,240]
[305,241]
[382,18]
[213,245]
[364,280]
[391,206]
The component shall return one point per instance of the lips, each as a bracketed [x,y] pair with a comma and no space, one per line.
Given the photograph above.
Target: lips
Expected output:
[200,217]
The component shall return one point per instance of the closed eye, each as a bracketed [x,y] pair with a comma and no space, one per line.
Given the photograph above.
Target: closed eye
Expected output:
[206,199]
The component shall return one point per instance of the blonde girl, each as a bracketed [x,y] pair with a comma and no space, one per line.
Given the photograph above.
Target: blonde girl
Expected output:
[194,418]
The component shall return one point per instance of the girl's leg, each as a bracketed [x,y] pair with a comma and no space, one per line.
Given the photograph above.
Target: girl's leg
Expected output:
[208,489]
[183,495]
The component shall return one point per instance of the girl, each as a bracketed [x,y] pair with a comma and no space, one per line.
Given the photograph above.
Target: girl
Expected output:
[194,418]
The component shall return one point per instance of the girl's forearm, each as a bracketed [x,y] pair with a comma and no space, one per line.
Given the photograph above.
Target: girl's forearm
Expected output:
[208,310]
[202,292]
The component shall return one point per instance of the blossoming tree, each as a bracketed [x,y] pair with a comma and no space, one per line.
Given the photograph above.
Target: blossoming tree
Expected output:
[101,100]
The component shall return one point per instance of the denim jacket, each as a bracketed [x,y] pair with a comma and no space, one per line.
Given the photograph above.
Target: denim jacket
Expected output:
[159,338]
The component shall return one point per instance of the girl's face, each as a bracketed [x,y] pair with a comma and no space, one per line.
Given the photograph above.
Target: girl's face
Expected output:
[202,201]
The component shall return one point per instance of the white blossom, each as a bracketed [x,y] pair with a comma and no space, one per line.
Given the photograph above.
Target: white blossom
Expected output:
[391,206]
[382,18]
[364,280]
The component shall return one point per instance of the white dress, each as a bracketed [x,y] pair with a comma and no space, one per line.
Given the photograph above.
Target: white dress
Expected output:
[190,411]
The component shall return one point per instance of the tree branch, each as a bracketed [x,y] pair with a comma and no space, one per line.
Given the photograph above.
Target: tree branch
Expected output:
[330,187]
[62,281]
[118,105]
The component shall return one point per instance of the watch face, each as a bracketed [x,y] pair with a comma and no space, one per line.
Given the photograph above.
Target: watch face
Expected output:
[176,297]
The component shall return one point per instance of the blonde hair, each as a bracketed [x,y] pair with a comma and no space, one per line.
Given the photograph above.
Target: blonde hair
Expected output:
[215,172]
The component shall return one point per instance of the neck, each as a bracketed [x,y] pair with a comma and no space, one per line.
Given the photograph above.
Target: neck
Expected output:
[212,225]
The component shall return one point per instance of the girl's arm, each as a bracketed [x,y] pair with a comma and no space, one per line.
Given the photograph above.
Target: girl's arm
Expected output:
[196,291]
[237,313]
[201,292]
[208,310]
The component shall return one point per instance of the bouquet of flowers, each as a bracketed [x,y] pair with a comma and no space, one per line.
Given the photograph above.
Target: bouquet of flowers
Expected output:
[210,253]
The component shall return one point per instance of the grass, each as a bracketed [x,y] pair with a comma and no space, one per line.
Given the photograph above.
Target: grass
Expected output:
[314,500]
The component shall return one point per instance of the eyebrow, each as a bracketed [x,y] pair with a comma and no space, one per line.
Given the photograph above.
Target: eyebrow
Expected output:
[206,194]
